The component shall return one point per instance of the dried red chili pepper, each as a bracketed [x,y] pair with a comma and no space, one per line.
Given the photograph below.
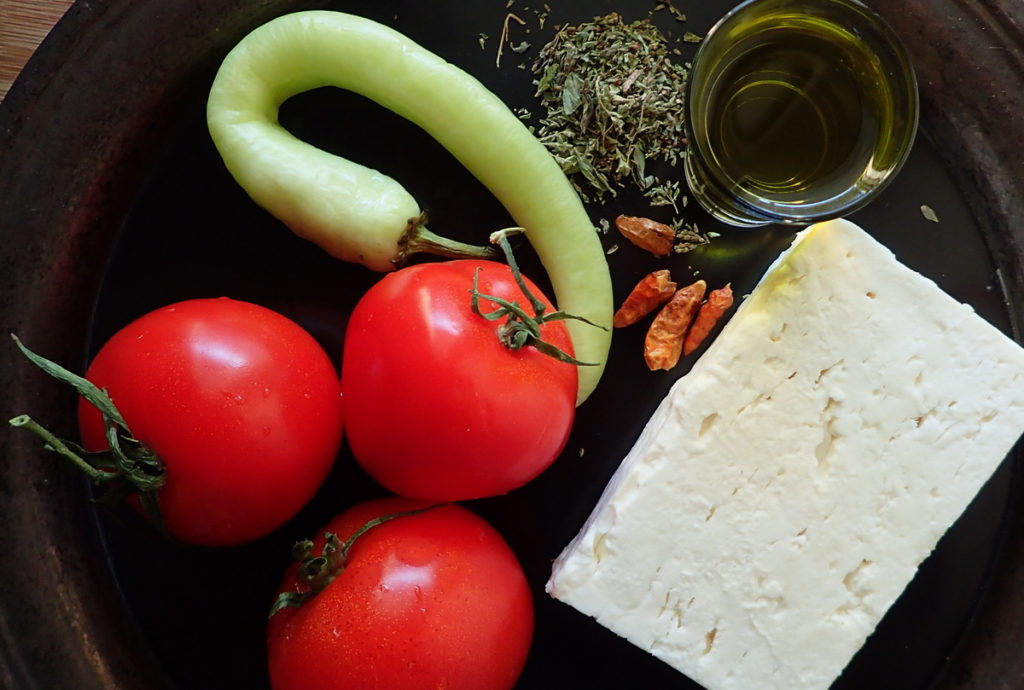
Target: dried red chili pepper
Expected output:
[664,342]
[655,237]
[651,292]
[710,312]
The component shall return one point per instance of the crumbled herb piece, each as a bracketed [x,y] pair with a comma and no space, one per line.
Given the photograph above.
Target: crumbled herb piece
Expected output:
[614,102]
[929,213]
[521,48]
[504,35]
[690,37]
[666,194]
[482,39]
[689,238]
[667,4]
[543,16]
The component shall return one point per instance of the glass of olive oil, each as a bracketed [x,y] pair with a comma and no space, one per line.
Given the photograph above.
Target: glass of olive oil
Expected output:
[797,111]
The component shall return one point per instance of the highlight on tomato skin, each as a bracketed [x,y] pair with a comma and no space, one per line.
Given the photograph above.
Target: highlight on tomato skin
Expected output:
[430,600]
[436,406]
[241,405]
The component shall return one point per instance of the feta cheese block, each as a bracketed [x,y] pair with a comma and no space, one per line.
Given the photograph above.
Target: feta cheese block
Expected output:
[787,489]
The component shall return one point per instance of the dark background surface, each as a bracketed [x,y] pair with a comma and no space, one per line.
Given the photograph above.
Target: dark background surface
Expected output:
[114,202]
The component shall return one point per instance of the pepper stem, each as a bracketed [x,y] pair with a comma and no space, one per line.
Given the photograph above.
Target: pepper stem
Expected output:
[417,239]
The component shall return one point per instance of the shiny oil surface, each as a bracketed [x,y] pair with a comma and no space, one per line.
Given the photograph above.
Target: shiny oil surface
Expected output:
[799,110]
[790,117]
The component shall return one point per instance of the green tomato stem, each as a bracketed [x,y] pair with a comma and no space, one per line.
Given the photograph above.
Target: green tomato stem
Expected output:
[58,446]
[128,467]
[521,328]
[316,572]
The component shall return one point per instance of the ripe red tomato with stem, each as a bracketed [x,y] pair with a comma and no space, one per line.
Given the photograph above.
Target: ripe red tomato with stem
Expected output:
[437,405]
[434,599]
[240,406]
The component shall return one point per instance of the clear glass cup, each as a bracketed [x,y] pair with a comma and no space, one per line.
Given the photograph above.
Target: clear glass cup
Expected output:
[797,111]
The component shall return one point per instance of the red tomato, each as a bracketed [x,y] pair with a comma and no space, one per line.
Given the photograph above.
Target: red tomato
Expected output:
[240,403]
[431,600]
[436,407]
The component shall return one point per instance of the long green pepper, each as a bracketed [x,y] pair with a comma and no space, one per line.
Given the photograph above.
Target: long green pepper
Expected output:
[356,213]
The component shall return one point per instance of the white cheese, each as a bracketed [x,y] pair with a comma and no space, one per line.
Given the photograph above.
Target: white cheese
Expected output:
[785,492]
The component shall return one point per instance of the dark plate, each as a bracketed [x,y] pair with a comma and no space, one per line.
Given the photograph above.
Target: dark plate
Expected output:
[113,202]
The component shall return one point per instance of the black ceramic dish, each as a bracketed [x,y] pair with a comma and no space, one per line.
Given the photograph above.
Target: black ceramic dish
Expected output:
[113,202]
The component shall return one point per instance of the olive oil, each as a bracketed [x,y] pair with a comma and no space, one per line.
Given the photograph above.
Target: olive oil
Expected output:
[798,110]
[793,117]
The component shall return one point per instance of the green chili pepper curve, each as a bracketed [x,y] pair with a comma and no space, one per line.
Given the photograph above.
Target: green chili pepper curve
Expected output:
[358,214]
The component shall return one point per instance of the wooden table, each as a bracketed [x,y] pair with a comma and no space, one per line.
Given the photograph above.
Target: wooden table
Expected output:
[23,25]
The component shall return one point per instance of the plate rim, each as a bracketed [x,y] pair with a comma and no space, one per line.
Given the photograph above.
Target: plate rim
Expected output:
[50,306]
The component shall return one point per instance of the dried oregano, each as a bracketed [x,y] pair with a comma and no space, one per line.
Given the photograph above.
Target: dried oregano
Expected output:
[613,101]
